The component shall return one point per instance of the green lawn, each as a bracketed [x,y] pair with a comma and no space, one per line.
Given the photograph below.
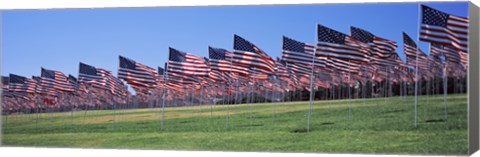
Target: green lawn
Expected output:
[341,126]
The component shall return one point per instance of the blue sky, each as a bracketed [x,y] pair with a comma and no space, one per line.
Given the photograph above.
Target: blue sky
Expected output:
[60,39]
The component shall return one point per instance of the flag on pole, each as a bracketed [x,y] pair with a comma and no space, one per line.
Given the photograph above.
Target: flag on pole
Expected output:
[221,60]
[88,74]
[137,74]
[246,54]
[381,47]
[21,84]
[186,66]
[56,79]
[410,49]
[451,54]
[332,43]
[300,54]
[442,28]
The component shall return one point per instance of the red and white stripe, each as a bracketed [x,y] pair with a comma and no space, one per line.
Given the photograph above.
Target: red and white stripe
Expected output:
[455,33]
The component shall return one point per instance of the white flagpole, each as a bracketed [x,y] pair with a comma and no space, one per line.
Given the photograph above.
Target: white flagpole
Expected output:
[349,94]
[164,94]
[164,91]
[114,110]
[71,114]
[273,95]
[428,84]
[416,68]
[228,106]
[445,83]
[310,105]
[252,101]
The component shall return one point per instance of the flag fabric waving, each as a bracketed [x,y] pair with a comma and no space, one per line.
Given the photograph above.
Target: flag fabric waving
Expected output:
[21,84]
[57,79]
[410,49]
[221,60]
[381,47]
[332,43]
[301,54]
[246,55]
[136,74]
[185,65]
[442,28]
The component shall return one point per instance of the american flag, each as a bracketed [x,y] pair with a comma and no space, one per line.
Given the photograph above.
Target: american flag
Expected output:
[79,86]
[246,54]
[410,49]
[297,69]
[381,47]
[435,63]
[88,74]
[280,69]
[258,74]
[342,65]
[160,71]
[74,82]
[112,83]
[464,58]
[137,74]
[44,86]
[301,54]
[186,66]
[21,84]
[332,43]
[442,28]
[57,79]
[221,60]
[451,54]
[217,76]
[5,81]
[174,77]
[161,77]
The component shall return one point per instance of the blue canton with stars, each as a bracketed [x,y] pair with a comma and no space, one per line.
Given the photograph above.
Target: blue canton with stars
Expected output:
[326,34]
[293,45]
[127,63]
[362,35]
[160,71]
[434,17]
[408,41]
[242,44]
[216,53]
[177,56]
[87,69]
[48,73]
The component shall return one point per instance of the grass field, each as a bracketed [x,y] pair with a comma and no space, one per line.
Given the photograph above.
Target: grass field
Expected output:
[341,126]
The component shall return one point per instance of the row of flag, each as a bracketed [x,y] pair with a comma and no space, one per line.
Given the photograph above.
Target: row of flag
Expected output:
[336,58]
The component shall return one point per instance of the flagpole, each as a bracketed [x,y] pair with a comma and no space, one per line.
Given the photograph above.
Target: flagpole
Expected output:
[310,105]
[416,67]
[164,95]
[71,114]
[349,93]
[228,106]
[445,83]
[428,84]
[273,95]
[114,105]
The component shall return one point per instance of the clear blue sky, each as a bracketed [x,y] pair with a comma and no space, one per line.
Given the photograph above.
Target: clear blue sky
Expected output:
[60,39]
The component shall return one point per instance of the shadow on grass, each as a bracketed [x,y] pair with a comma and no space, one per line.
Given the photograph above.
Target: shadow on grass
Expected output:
[301,130]
[435,120]
[327,123]
[249,125]
[394,111]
